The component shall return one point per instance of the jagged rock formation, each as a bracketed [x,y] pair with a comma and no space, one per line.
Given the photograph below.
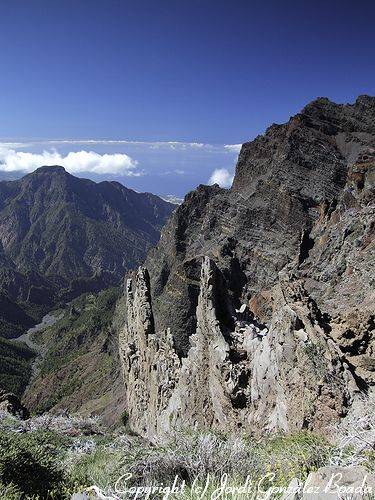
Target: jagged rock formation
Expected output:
[256,309]
[289,375]
[61,236]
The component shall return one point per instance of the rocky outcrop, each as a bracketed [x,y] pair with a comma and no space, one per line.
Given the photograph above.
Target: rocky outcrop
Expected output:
[332,483]
[239,372]
[149,362]
[256,308]
[10,403]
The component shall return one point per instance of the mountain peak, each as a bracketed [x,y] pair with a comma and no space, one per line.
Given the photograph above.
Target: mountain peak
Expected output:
[50,169]
[366,100]
[85,230]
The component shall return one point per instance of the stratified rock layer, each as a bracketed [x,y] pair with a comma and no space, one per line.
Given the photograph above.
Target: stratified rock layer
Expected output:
[256,309]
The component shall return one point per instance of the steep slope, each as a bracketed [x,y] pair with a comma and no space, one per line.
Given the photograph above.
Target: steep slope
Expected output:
[79,370]
[61,236]
[15,366]
[256,309]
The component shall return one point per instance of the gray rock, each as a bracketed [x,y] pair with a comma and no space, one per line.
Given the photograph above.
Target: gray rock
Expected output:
[293,241]
[294,490]
[336,483]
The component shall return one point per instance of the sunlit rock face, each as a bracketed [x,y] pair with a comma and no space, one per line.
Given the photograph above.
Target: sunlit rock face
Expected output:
[256,309]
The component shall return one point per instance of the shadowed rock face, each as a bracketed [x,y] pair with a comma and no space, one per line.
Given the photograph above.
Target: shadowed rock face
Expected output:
[11,404]
[61,236]
[292,240]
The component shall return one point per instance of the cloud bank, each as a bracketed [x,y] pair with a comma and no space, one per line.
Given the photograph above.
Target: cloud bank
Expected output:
[174,145]
[74,162]
[221,176]
[235,148]
[162,145]
[176,200]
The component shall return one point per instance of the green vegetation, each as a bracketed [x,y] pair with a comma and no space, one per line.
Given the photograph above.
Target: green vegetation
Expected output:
[37,455]
[15,366]
[102,467]
[89,317]
[315,355]
[50,457]
[79,342]
[294,456]
[17,316]
[79,364]
[31,463]
[10,330]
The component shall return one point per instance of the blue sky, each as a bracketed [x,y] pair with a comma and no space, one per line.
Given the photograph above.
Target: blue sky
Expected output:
[210,72]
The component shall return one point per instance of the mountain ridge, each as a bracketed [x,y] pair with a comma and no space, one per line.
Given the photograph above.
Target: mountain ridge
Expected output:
[292,241]
[61,235]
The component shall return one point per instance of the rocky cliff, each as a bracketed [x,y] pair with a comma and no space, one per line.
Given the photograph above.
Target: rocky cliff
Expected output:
[256,309]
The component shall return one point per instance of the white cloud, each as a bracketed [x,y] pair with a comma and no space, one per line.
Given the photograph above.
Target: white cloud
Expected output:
[142,145]
[176,171]
[176,200]
[221,176]
[174,145]
[235,148]
[74,162]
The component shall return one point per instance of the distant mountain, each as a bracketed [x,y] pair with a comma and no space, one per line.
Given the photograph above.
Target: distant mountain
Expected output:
[61,236]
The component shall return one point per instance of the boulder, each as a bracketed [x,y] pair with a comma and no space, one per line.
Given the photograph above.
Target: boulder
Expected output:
[334,483]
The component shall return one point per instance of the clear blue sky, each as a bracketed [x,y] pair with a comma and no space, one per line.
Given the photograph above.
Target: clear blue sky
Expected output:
[209,71]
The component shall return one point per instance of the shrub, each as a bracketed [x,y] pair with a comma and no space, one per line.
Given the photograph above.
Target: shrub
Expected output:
[294,455]
[64,424]
[124,418]
[101,468]
[198,455]
[53,456]
[10,492]
[30,463]
[355,436]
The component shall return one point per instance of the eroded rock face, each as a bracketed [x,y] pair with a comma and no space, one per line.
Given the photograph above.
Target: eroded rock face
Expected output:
[237,374]
[256,308]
